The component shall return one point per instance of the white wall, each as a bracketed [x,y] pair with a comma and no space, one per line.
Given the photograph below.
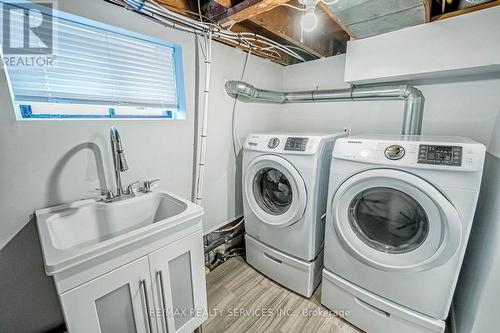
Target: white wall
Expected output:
[222,198]
[466,106]
[441,48]
[44,163]
[476,306]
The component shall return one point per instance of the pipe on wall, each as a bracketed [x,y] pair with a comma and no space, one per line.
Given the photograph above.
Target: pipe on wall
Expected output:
[201,154]
[413,110]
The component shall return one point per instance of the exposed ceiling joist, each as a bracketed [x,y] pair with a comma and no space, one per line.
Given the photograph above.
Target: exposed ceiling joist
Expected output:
[283,22]
[246,10]
[189,8]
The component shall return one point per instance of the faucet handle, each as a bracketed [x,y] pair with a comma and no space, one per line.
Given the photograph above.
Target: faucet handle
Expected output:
[108,195]
[148,184]
[130,187]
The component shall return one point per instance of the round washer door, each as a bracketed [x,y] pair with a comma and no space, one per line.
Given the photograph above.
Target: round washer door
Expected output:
[393,220]
[275,191]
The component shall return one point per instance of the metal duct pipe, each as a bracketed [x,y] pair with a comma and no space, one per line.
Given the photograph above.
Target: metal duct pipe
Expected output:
[414,100]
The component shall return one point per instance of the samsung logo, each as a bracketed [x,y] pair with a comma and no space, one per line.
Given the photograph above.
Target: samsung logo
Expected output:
[348,141]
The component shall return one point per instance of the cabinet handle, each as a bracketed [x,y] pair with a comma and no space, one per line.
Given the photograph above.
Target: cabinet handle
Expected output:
[142,284]
[159,279]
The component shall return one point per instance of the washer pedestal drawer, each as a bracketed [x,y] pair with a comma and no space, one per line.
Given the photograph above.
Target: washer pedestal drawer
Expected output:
[372,313]
[300,276]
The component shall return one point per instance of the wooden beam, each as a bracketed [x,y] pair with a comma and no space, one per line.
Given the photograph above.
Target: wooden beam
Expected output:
[246,10]
[336,19]
[284,22]
[287,26]
[427,9]
[179,6]
[466,10]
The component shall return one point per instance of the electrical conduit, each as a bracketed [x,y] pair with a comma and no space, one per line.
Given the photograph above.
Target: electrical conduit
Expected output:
[200,171]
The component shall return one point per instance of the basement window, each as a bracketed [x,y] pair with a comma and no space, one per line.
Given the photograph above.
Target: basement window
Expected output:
[97,71]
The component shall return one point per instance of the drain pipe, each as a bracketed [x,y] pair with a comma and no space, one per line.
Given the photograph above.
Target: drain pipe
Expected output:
[414,100]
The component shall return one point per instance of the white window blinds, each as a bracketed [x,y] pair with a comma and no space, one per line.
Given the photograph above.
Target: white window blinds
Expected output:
[98,66]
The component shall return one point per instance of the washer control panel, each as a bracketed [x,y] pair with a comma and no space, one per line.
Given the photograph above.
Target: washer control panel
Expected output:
[296,144]
[285,144]
[442,155]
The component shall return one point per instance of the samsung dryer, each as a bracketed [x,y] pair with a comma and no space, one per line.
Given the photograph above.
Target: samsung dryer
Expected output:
[400,209]
[285,185]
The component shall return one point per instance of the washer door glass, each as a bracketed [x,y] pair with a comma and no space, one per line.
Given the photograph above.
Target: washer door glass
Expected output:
[272,191]
[388,220]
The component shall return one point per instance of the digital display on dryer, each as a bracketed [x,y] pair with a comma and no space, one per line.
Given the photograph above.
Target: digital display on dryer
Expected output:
[443,155]
[296,144]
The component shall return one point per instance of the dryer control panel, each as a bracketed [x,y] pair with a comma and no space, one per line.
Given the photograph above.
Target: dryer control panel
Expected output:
[442,155]
[424,152]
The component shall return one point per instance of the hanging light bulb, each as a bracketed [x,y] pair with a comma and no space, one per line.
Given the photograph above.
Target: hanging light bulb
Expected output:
[309,19]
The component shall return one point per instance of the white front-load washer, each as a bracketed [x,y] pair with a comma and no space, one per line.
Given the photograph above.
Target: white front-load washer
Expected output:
[400,209]
[285,185]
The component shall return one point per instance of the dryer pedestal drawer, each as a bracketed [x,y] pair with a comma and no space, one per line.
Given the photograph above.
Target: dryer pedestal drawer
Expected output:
[300,276]
[372,313]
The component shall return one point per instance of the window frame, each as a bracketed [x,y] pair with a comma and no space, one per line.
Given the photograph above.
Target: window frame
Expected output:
[22,109]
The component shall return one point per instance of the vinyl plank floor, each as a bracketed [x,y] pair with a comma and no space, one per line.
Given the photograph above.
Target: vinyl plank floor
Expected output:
[241,299]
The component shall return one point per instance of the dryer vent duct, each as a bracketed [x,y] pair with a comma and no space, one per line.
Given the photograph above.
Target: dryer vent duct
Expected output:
[414,99]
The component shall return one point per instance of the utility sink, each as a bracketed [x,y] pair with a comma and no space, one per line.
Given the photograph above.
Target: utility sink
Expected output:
[83,230]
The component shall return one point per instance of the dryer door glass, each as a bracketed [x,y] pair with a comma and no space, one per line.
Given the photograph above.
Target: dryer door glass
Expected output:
[272,191]
[388,220]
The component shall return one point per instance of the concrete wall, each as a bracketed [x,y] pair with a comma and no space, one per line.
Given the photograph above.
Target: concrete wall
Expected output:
[45,163]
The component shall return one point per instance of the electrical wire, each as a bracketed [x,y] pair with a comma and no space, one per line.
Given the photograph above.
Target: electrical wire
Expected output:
[329,2]
[294,7]
[199,11]
[177,21]
[236,139]
[234,227]
[292,47]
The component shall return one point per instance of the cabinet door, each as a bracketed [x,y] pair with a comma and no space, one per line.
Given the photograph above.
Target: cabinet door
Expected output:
[120,301]
[178,276]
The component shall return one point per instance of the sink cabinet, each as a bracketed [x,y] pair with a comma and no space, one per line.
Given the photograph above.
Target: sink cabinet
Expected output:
[135,265]
[162,291]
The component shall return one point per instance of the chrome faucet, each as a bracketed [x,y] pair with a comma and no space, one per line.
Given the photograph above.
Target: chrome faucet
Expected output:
[119,160]
[120,165]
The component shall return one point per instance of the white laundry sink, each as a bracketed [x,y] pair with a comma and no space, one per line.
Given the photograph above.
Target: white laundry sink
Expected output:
[83,230]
